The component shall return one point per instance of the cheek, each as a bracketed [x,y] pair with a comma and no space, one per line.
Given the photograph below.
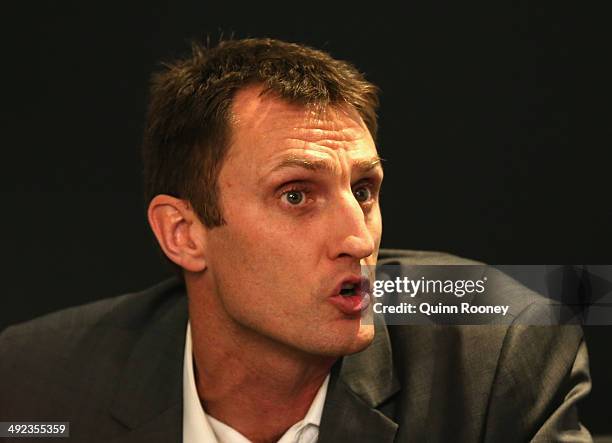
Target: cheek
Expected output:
[261,279]
[295,239]
[263,241]
[256,257]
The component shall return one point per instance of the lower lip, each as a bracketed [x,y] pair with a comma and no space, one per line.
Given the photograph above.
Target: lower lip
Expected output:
[352,304]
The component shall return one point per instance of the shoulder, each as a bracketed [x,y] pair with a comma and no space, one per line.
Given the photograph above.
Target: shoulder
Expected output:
[527,308]
[127,311]
[413,257]
[503,286]
[524,372]
[74,353]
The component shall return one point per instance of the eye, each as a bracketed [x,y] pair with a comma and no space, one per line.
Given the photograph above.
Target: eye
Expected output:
[362,194]
[294,197]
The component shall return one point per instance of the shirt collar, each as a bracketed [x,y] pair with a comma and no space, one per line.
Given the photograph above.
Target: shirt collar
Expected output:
[196,427]
[199,426]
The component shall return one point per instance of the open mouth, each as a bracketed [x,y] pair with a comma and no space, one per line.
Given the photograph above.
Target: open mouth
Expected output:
[348,289]
[352,295]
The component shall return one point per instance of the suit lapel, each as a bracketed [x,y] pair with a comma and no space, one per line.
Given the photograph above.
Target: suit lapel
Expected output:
[165,427]
[150,391]
[358,385]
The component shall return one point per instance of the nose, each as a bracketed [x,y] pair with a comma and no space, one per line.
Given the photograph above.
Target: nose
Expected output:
[351,235]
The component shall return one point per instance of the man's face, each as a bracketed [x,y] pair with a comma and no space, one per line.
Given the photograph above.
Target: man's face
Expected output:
[299,195]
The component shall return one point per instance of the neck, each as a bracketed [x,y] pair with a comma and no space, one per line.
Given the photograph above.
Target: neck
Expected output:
[256,385]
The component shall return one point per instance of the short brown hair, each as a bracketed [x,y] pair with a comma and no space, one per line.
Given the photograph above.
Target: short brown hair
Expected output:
[187,129]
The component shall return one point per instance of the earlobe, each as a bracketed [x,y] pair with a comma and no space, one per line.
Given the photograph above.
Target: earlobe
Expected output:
[179,232]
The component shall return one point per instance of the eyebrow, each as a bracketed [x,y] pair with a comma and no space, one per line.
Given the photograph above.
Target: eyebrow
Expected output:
[296,161]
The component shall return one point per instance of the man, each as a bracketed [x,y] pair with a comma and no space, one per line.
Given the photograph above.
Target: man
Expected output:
[262,178]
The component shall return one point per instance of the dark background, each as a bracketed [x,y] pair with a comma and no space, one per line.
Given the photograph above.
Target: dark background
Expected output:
[494,150]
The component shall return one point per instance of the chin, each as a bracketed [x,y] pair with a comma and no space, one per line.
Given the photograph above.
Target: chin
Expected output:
[341,343]
[364,338]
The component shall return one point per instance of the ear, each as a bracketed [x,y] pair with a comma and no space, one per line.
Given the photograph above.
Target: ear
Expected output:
[179,231]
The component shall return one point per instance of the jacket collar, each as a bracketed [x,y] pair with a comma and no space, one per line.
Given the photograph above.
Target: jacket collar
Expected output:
[149,393]
[360,383]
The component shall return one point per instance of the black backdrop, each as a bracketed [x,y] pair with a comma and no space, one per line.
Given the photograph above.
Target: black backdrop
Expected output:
[491,151]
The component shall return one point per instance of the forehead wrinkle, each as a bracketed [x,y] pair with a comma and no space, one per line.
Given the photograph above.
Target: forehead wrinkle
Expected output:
[315,145]
[320,134]
[314,164]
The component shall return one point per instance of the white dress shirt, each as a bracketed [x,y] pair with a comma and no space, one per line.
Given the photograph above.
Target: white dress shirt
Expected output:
[199,427]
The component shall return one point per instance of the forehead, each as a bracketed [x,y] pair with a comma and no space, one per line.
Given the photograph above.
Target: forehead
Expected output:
[265,126]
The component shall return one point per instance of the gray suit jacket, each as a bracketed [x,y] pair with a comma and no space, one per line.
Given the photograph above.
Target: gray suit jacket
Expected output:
[114,370]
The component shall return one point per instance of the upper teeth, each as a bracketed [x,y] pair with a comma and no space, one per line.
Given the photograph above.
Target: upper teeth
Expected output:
[348,286]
